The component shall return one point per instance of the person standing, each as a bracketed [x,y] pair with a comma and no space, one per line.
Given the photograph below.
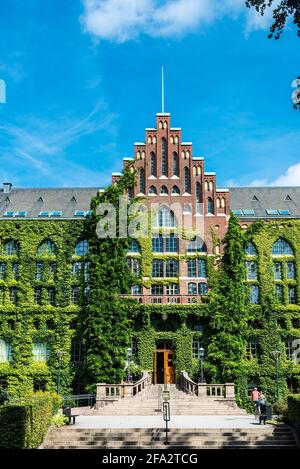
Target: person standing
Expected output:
[255,397]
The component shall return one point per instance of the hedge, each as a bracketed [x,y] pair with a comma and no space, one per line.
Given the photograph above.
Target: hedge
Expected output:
[24,425]
[294,411]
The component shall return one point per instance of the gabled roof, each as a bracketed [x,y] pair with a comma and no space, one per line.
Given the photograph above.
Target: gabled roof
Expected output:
[268,198]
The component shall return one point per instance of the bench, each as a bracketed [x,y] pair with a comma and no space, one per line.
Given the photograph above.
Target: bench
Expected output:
[67,412]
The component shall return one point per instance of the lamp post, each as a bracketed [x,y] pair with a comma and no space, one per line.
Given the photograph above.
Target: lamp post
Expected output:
[276,354]
[129,360]
[201,356]
[59,355]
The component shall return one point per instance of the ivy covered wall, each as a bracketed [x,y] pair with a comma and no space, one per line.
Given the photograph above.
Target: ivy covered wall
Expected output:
[23,322]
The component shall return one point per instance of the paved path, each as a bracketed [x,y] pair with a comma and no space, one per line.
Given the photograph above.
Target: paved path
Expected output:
[177,421]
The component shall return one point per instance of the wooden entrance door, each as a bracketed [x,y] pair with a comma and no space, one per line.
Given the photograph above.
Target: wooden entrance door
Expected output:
[164,368]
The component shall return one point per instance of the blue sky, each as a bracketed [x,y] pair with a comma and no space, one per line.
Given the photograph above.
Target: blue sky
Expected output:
[83,81]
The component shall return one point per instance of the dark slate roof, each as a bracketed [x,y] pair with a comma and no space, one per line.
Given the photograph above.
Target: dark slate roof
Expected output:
[36,200]
[268,198]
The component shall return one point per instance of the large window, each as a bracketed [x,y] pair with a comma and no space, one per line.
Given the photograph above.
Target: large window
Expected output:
[40,352]
[136,290]
[82,248]
[196,268]
[134,266]
[142,181]
[251,269]
[187,180]
[152,164]
[134,246]
[47,247]
[202,288]
[250,249]
[39,271]
[210,205]
[11,248]
[2,270]
[5,351]
[192,288]
[277,269]
[165,244]
[165,217]
[171,268]
[292,295]
[157,290]
[172,289]
[78,352]
[13,295]
[252,347]
[157,268]
[175,164]
[164,157]
[282,248]
[290,270]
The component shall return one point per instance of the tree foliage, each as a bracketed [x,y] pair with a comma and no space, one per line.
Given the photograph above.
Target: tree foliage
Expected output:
[282,11]
[106,326]
[228,313]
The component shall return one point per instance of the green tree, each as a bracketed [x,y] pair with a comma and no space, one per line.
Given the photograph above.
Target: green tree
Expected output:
[283,10]
[105,319]
[228,314]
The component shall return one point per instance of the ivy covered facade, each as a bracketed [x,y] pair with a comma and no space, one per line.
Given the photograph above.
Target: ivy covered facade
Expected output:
[73,304]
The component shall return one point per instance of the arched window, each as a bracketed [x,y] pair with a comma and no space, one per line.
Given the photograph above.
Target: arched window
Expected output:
[166,217]
[198,192]
[206,185]
[194,170]
[196,246]
[175,190]
[134,246]
[175,164]
[210,205]
[223,202]
[202,288]
[142,180]
[251,249]
[164,190]
[82,248]
[11,248]
[192,288]
[282,247]
[152,164]
[164,157]
[218,202]
[152,190]
[211,186]
[187,185]
[187,208]
[47,247]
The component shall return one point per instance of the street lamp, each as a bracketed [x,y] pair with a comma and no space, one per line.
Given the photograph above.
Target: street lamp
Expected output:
[59,355]
[201,356]
[129,360]
[276,354]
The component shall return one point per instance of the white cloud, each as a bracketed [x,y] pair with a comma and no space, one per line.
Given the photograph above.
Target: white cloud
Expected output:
[123,20]
[290,178]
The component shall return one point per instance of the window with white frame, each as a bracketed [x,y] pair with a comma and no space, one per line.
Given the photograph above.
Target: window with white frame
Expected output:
[5,351]
[40,351]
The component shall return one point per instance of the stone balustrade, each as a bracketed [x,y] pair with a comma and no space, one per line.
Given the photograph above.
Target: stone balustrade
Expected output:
[226,391]
[111,392]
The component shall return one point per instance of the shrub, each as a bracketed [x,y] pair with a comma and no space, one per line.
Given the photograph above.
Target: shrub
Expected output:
[24,424]
[280,408]
[294,411]
[59,420]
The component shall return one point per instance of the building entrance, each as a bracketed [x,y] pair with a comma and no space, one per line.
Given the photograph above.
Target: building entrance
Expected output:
[164,367]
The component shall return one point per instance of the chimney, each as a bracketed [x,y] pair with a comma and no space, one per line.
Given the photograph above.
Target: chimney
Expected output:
[7,186]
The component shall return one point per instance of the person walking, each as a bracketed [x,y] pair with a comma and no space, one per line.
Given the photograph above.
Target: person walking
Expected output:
[255,397]
[262,405]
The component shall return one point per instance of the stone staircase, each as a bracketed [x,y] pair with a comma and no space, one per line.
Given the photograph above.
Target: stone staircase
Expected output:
[266,437]
[149,402]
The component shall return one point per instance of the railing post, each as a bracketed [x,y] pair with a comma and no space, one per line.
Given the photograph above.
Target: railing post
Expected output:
[202,390]
[229,390]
